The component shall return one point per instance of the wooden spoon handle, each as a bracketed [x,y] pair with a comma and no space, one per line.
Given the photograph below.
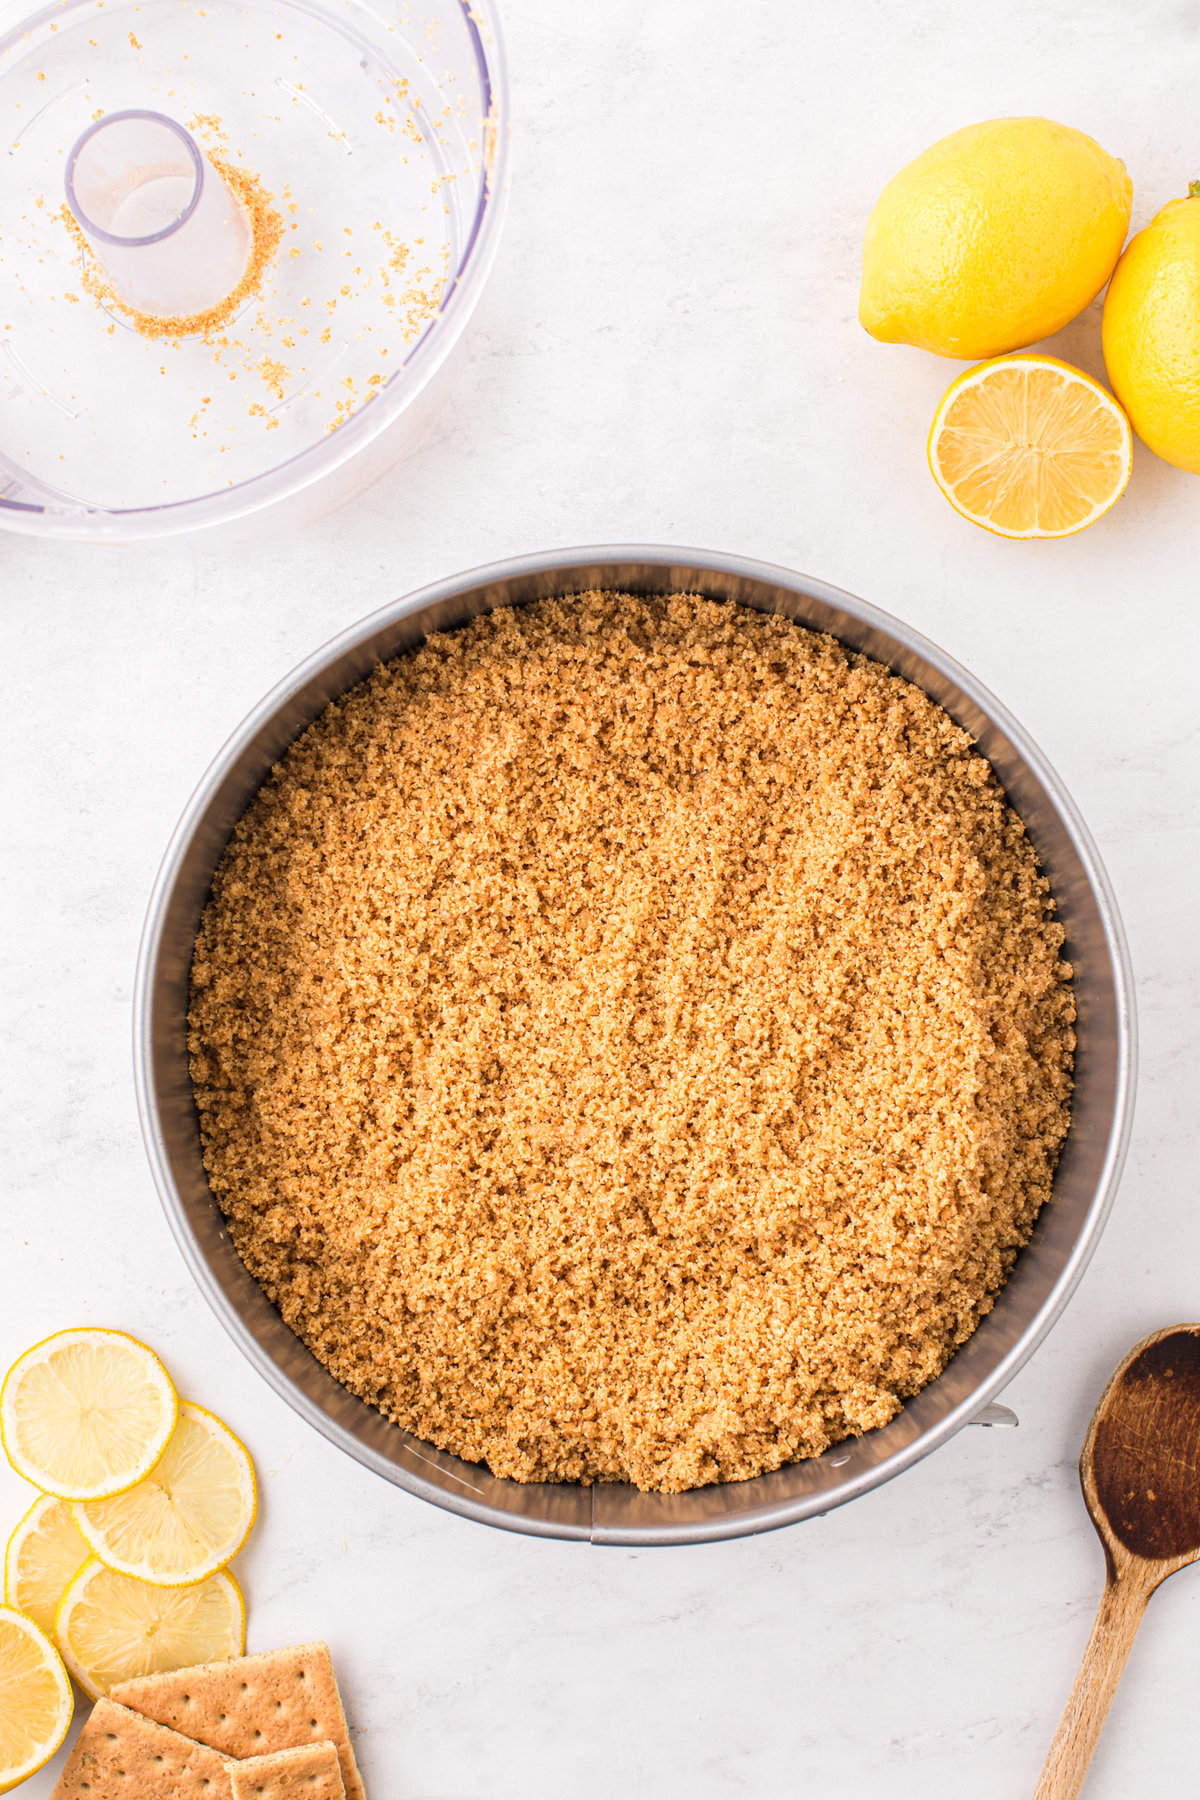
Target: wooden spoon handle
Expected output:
[1120,1614]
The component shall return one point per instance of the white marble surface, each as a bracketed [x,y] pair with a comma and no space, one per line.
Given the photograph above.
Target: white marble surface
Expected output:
[668,352]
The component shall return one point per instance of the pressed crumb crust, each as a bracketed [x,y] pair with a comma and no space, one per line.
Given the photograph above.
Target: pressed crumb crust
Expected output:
[631,1040]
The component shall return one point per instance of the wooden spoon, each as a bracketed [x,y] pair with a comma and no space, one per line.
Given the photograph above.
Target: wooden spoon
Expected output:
[1140,1469]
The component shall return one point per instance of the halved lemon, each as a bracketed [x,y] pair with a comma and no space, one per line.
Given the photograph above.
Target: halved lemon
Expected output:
[112,1627]
[1029,447]
[86,1413]
[44,1554]
[36,1702]
[188,1517]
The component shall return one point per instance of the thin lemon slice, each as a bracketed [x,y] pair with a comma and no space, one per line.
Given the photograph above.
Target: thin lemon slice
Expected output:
[1030,447]
[35,1699]
[189,1517]
[86,1413]
[111,1627]
[44,1554]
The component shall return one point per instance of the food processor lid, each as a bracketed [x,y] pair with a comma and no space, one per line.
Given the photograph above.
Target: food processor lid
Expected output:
[227,230]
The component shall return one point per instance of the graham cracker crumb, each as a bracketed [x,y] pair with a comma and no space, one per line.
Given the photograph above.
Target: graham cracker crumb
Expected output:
[631,1040]
[266,230]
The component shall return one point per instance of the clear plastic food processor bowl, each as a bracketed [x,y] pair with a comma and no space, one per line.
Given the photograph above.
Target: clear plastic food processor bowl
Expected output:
[238,240]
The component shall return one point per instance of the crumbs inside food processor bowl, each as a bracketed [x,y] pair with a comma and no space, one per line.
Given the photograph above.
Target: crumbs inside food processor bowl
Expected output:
[202,300]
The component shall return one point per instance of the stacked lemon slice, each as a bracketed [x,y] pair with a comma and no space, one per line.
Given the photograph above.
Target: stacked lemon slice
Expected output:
[119,1568]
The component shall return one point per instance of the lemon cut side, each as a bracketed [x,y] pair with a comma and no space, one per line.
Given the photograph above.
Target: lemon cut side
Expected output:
[35,1699]
[188,1517]
[111,1627]
[1029,447]
[86,1413]
[44,1554]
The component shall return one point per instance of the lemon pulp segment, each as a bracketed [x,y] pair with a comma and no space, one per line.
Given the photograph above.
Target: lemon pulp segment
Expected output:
[112,1627]
[44,1554]
[188,1517]
[35,1698]
[86,1413]
[1029,447]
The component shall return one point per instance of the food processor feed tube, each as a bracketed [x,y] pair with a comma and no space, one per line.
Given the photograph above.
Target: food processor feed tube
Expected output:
[172,238]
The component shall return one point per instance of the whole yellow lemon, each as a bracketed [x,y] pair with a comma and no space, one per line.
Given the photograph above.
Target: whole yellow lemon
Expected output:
[995,237]
[1152,332]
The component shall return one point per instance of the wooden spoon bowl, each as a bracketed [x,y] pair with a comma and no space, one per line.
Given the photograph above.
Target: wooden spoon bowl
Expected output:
[1140,1471]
